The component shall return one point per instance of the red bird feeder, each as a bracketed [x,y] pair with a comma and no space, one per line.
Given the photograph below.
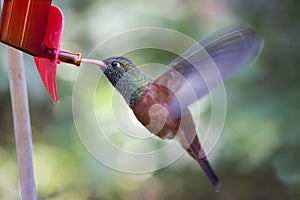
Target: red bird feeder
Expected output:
[36,27]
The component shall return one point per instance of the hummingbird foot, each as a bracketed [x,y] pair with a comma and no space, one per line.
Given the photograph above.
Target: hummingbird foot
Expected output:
[158,118]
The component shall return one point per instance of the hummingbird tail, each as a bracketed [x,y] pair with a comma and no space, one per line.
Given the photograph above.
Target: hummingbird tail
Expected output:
[187,137]
[198,154]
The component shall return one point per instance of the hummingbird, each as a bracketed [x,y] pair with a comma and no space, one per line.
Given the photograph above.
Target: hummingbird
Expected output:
[161,104]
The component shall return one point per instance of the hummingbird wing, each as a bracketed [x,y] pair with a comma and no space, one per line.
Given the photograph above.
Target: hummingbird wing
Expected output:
[208,63]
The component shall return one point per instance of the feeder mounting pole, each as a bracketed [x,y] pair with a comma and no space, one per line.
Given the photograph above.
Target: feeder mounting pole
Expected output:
[22,127]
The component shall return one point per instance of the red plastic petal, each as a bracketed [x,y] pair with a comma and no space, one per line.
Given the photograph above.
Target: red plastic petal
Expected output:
[53,37]
[47,70]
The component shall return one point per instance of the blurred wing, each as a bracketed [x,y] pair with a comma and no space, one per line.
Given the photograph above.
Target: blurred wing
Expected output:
[207,64]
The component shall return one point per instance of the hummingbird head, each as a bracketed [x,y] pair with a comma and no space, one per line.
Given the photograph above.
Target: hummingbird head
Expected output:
[126,77]
[116,67]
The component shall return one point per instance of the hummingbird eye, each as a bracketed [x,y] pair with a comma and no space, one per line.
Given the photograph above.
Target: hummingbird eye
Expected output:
[115,64]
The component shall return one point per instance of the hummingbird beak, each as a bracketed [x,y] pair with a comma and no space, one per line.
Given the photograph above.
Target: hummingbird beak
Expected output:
[99,63]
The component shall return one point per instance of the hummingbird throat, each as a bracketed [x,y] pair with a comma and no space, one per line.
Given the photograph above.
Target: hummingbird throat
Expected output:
[132,86]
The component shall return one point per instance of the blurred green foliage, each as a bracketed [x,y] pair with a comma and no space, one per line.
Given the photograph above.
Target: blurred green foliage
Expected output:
[257,154]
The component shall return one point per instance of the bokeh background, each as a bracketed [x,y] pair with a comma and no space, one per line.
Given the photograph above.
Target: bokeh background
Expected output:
[257,156]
